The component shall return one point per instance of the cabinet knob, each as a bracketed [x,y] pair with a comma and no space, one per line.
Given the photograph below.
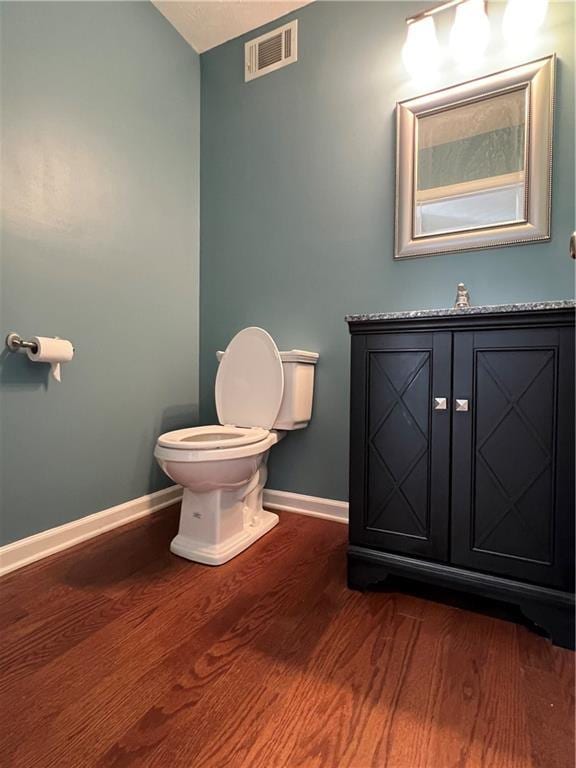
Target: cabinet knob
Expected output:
[461,405]
[440,404]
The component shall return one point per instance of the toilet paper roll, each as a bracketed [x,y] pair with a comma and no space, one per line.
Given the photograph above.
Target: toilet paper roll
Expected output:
[53,351]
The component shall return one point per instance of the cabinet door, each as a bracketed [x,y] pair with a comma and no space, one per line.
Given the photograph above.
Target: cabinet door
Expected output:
[512,453]
[400,445]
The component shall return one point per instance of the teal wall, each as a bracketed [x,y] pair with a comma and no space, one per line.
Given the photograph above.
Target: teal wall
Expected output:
[297,210]
[99,244]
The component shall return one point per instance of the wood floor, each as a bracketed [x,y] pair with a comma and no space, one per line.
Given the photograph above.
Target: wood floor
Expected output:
[119,654]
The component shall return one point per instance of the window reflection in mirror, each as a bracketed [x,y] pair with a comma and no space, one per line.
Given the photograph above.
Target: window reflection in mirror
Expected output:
[470,165]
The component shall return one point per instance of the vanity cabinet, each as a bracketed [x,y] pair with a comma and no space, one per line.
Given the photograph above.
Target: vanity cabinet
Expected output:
[462,454]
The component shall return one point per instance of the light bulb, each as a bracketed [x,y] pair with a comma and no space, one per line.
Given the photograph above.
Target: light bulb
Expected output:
[522,19]
[470,33]
[421,52]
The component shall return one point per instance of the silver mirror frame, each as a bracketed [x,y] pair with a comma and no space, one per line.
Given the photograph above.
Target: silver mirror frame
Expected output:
[538,77]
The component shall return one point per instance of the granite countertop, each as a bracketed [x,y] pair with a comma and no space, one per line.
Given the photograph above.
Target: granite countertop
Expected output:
[529,306]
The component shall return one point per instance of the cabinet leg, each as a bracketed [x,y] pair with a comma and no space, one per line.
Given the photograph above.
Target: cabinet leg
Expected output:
[362,575]
[557,622]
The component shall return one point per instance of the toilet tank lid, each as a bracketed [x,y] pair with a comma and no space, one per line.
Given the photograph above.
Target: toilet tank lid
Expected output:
[299,356]
[289,356]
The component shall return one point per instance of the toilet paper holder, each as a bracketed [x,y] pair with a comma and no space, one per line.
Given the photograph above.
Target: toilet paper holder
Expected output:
[43,349]
[15,342]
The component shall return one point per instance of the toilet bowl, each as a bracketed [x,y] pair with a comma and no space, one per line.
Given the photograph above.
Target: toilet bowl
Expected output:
[260,394]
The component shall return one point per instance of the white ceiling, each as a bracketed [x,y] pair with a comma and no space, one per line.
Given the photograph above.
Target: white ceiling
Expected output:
[211,22]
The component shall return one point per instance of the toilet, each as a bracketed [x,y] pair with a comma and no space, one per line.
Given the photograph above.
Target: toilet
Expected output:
[261,393]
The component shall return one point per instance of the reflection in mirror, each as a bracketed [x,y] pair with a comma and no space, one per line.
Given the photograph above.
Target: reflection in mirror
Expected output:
[470,165]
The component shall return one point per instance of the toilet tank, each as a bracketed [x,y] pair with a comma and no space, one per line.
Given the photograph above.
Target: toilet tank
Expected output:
[296,408]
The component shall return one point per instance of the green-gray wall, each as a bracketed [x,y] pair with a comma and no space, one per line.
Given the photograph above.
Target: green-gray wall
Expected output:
[297,192]
[100,208]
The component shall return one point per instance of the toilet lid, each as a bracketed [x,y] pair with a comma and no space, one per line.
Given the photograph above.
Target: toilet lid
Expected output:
[250,381]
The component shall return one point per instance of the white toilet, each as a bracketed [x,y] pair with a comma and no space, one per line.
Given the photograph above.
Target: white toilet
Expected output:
[260,392]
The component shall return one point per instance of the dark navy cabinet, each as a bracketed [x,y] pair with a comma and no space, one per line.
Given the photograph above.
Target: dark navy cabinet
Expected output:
[462,455]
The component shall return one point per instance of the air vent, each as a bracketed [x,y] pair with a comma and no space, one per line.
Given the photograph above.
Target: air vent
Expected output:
[271,51]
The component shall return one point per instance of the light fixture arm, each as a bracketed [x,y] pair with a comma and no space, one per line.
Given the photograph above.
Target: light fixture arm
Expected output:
[433,11]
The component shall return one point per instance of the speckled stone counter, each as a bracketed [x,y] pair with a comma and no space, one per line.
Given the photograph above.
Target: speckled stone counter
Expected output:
[487,309]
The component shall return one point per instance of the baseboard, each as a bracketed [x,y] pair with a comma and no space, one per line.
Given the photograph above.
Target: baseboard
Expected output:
[26,551]
[33,548]
[314,506]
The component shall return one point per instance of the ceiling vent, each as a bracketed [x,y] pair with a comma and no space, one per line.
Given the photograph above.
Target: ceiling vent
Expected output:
[271,51]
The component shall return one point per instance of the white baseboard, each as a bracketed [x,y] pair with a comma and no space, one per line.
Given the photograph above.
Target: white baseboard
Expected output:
[33,548]
[26,551]
[314,506]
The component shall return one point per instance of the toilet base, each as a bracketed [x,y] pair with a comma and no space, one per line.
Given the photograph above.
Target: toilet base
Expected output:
[217,554]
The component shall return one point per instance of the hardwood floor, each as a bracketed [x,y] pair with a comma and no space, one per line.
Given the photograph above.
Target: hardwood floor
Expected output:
[118,653]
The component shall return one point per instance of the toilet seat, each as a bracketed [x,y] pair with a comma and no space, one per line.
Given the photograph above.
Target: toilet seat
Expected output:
[179,452]
[249,389]
[250,380]
[212,437]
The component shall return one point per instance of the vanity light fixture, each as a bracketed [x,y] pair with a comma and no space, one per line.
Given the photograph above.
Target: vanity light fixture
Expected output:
[468,38]
[522,20]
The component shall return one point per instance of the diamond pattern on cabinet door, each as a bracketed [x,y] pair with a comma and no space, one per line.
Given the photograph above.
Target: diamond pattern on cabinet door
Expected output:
[398,445]
[514,449]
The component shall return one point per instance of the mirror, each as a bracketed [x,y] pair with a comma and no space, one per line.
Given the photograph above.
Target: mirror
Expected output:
[473,168]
